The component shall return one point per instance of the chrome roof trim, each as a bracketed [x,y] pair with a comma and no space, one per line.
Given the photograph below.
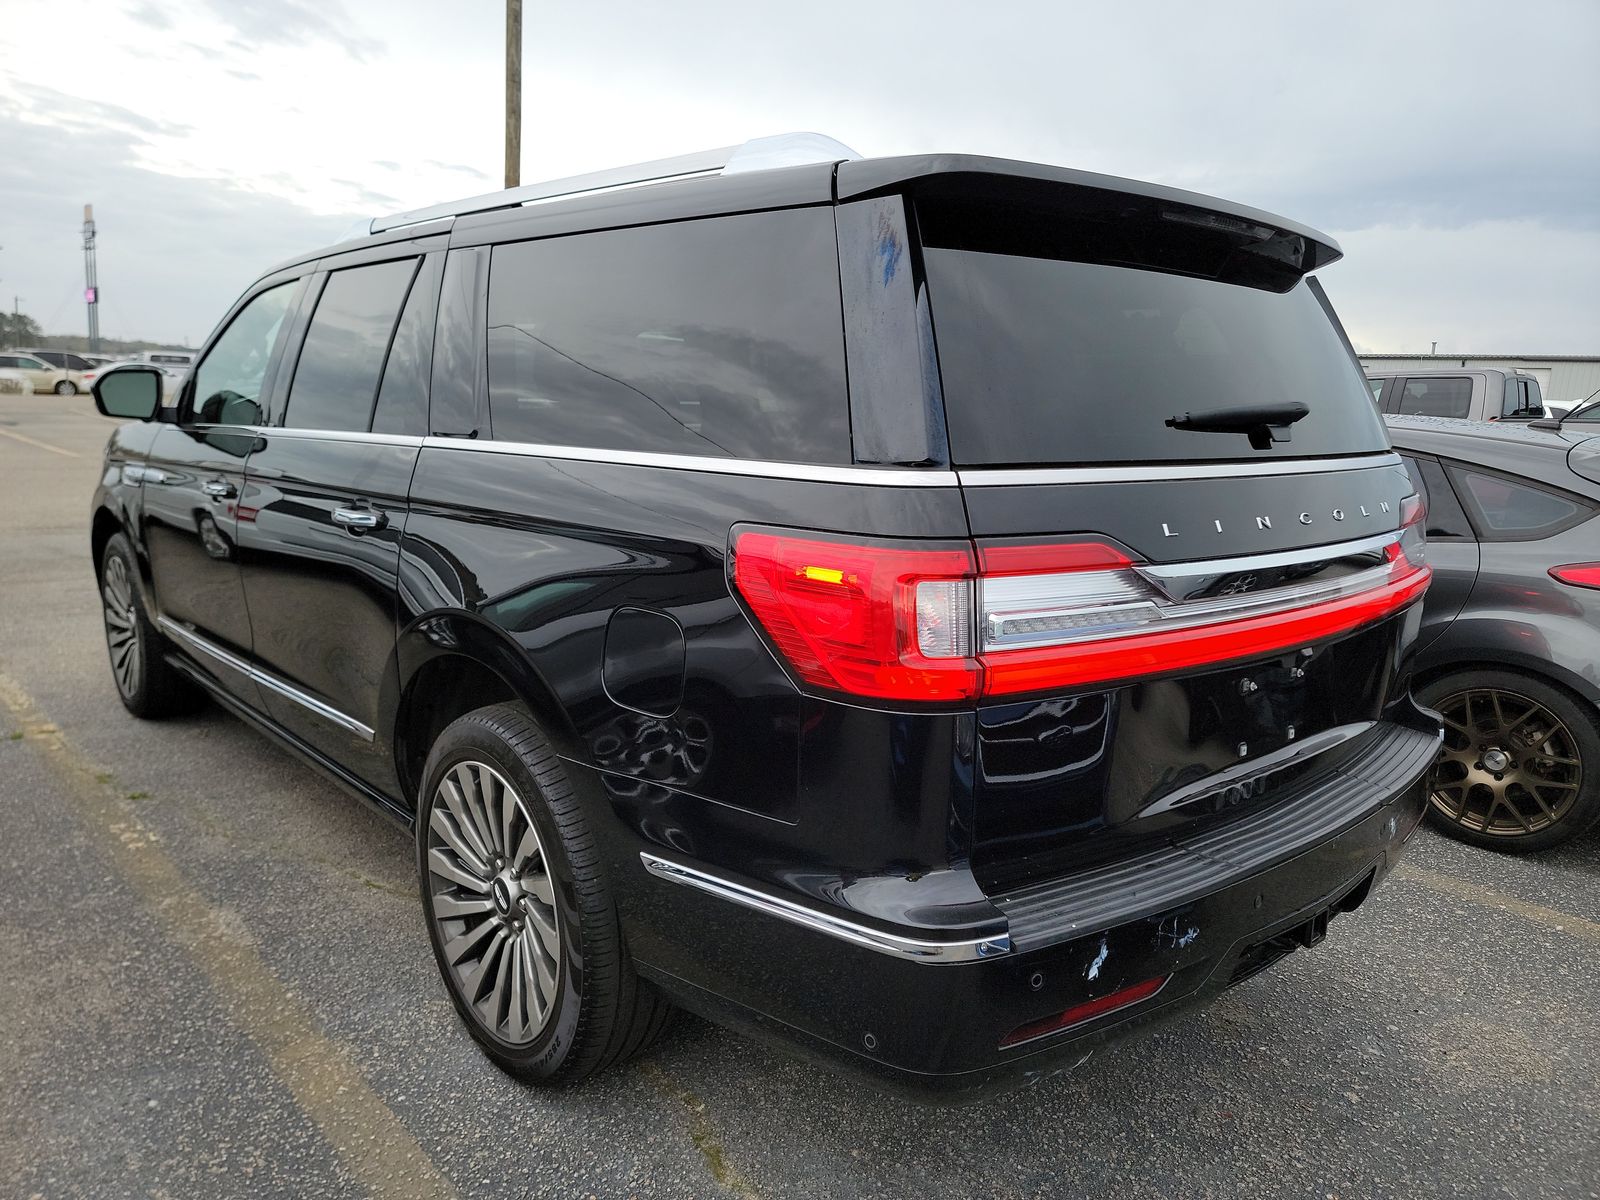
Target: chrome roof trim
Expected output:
[805,472]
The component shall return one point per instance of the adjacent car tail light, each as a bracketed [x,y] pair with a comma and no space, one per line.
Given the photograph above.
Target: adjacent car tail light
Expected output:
[1578,574]
[952,622]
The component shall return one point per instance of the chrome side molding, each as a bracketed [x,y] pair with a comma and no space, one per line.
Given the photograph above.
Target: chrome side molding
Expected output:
[915,949]
[265,679]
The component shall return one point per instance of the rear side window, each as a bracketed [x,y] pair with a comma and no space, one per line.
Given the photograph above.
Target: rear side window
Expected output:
[1047,356]
[1507,510]
[1446,520]
[714,337]
[1375,386]
[1436,398]
[336,379]
[403,397]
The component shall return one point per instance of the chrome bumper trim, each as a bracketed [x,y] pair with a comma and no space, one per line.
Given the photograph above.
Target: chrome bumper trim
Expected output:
[914,949]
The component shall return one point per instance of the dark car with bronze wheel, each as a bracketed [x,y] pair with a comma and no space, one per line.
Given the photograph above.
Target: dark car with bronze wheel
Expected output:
[1510,645]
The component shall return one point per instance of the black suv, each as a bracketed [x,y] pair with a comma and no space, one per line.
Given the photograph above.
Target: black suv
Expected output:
[939,611]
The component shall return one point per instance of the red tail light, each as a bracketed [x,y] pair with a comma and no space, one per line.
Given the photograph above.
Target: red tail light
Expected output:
[947,622]
[856,616]
[1578,574]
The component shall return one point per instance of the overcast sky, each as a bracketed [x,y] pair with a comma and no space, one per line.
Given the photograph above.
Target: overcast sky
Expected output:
[1452,147]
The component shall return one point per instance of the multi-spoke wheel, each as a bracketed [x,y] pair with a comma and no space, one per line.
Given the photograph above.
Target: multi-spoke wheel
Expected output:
[148,684]
[493,901]
[519,911]
[1520,764]
[122,626]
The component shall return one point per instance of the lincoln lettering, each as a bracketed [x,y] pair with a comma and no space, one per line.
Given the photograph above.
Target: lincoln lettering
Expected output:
[1304,518]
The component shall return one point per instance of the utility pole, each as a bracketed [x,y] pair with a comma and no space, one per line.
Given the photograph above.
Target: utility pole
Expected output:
[91,286]
[513,93]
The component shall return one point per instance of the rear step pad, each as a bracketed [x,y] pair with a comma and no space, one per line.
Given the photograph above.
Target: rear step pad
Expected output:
[1196,864]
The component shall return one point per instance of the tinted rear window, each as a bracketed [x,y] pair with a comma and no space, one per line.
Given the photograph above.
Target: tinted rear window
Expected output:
[1053,360]
[714,337]
[1436,397]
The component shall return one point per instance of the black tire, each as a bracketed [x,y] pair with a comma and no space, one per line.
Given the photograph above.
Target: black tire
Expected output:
[66,388]
[1539,749]
[148,685]
[602,1012]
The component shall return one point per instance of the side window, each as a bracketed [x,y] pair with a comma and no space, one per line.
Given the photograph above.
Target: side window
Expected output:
[1436,398]
[1535,401]
[710,337]
[403,395]
[8,360]
[227,384]
[1375,386]
[1508,510]
[1516,396]
[1445,518]
[336,379]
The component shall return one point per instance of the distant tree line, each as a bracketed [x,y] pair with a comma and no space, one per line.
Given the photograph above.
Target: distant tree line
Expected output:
[19,329]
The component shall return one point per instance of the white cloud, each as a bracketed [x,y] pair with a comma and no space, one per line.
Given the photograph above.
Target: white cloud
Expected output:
[1365,117]
[1496,287]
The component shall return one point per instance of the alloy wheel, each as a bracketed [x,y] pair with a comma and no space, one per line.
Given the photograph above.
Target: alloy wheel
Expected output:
[122,625]
[493,902]
[1509,766]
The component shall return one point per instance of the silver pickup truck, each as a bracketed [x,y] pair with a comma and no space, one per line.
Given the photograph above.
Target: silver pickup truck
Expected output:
[1476,395]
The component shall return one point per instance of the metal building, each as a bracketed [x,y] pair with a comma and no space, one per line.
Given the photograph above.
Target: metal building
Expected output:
[1564,378]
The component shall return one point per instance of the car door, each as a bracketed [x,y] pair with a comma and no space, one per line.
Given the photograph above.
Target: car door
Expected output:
[191,483]
[326,499]
[40,374]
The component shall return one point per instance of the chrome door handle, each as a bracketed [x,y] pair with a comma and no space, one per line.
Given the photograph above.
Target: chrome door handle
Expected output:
[219,489]
[360,519]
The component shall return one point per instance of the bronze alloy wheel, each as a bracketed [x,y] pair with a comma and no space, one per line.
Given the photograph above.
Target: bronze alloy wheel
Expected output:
[1509,766]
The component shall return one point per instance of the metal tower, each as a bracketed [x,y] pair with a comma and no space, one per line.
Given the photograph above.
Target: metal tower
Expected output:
[91,288]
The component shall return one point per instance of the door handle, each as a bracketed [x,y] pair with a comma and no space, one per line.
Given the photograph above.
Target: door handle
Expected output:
[219,489]
[360,520]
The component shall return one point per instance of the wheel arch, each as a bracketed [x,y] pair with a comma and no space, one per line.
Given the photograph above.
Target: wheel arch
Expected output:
[1496,660]
[449,664]
[105,525]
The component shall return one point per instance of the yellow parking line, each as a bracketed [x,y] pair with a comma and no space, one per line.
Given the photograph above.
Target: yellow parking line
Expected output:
[21,437]
[1463,889]
[370,1140]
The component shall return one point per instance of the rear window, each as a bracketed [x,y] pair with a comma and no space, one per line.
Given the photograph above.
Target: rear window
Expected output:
[712,337]
[1052,359]
[1436,397]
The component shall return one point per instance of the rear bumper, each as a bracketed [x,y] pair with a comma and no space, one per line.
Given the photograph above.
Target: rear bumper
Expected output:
[933,1026]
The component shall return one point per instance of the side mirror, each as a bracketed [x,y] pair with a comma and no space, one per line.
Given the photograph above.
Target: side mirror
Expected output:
[131,393]
[1551,423]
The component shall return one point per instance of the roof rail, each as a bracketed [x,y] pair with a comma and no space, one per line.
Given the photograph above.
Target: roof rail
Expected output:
[758,154]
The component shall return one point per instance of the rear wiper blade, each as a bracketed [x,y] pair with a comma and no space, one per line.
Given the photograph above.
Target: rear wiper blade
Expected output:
[1263,423]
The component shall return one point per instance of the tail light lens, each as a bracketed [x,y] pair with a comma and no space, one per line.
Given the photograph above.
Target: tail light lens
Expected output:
[1578,574]
[1087,1011]
[952,622]
[885,619]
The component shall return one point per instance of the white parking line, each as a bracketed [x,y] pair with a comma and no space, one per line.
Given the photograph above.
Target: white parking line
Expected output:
[22,437]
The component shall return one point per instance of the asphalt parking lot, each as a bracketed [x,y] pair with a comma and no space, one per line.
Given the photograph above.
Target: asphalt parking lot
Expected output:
[216,982]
